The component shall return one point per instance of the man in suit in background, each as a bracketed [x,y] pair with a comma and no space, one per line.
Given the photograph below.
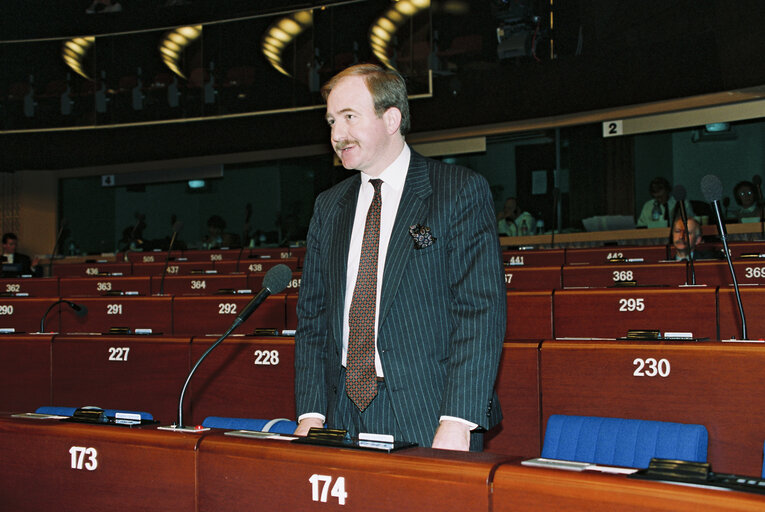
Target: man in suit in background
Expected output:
[403,257]
[11,257]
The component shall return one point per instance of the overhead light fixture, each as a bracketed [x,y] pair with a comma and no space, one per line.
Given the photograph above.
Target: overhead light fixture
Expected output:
[174,42]
[75,51]
[280,34]
[384,28]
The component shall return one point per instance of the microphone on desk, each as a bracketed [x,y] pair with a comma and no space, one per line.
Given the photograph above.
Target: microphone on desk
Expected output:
[679,193]
[55,246]
[275,280]
[177,226]
[711,187]
[556,199]
[79,309]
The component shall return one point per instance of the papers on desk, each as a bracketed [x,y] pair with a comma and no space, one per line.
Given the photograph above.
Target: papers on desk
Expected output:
[569,465]
[254,434]
[608,223]
[38,416]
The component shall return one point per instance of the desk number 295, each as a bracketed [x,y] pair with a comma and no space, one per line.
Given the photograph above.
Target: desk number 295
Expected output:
[320,487]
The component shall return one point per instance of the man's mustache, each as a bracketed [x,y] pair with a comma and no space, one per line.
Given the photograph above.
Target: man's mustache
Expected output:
[344,144]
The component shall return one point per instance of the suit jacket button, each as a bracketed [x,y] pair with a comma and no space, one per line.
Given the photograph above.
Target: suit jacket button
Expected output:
[488,409]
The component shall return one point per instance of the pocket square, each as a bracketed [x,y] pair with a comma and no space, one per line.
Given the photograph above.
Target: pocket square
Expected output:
[422,236]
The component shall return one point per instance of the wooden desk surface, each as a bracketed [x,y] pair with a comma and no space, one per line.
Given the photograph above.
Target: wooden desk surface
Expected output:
[33,286]
[199,316]
[153,313]
[644,274]
[602,255]
[25,365]
[532,278]
[51,465]
[236,473]
[610,313]
[521,488]
[137,373]
[200,284]
[529,315]
[244,377]
[715,384]
[98,286]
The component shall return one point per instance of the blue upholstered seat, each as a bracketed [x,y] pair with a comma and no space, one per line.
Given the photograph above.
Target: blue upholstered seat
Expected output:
[622,442]
[279,425]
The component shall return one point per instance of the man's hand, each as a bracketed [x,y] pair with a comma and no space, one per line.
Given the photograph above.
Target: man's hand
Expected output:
[452,435]
[305,425]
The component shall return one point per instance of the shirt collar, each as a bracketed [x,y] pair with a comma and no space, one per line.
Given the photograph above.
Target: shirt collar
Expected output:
[395,174]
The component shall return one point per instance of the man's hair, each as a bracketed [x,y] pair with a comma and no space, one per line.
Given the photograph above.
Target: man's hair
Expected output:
[659,183]
[9,236]
[387,87]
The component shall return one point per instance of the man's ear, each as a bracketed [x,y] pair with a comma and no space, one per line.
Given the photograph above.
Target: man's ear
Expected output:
[392,118]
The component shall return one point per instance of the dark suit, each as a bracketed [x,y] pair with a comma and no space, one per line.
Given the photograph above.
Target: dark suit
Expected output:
[442,308]
[26,265]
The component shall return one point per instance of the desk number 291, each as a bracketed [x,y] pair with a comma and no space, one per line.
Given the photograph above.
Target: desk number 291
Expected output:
[320,488]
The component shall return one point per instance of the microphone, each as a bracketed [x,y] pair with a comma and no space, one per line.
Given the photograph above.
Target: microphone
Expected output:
[177,226]
[79,309]
[55,246]
[556,199]
[711,187]
[275,280]
[679,193]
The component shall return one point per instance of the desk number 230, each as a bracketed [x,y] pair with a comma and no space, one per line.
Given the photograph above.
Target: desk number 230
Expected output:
[650,367]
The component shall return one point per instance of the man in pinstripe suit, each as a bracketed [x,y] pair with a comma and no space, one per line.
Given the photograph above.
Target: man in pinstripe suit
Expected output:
[440,308]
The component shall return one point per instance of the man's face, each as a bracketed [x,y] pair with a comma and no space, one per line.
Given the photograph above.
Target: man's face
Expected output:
[360,138]
[511,209]
[661,195]
[9,246]
[678,235]
[745,196]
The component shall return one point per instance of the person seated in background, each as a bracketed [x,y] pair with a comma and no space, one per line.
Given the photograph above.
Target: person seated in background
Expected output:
[694,238]
[216,237]
[511,221]
[16,263]
[657,211]
[745,195]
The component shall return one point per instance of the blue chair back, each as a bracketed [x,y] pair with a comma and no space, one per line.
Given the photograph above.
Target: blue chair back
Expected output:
[622,442]
[278,425]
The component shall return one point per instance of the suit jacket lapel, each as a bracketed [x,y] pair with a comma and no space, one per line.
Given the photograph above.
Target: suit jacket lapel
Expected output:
[338,246]
[412,209]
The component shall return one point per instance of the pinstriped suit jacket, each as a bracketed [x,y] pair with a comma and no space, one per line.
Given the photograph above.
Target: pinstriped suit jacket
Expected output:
[442,308]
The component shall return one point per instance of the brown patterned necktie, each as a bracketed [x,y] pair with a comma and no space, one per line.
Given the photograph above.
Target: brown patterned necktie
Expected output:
[360,376]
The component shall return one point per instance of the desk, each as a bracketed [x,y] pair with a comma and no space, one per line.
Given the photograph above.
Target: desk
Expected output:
[518,390]
[535,257]
[92,269]
[753,301]
[199,316]
[244,377]
[255,281]
[118,469]
[213,255]
[521,488]
[601,255]
[717,273]
[153,313]
[718,385]
[25,363]
[98,286]
[174,268]
[138,372]
[33,286]
[243,474]
[200,284]
[148,256]
[256,264]
[644,274]
[532,278]
[529,315]
[24,313]
[611,313]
